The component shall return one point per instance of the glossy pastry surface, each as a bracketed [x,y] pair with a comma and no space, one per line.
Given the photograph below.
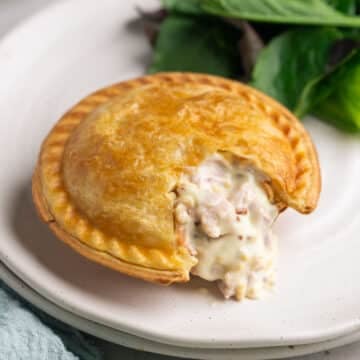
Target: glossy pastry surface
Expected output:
[107,177]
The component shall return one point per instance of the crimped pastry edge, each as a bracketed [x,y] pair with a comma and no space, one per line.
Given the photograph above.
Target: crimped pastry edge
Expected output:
[164,277]
[285,121]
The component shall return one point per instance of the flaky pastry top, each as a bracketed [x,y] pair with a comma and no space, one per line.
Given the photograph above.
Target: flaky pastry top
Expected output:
[110,166]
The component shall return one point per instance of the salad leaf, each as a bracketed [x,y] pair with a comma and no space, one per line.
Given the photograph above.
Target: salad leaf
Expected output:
[184,6]
[301,12]
[345,6]
[310,69]
[151,21]
[341,49]
[291,61]
[335,96]
[249,45]
[197,44]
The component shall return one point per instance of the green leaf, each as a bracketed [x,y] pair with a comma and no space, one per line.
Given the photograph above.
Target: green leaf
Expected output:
[196,44]
[183,6]
[303,12]
[291,60]
[334,97]
[345,6]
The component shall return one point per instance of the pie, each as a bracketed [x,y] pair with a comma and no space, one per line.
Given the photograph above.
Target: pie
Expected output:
[177,173]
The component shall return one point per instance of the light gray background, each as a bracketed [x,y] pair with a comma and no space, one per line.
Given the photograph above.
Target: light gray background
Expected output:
[11,13]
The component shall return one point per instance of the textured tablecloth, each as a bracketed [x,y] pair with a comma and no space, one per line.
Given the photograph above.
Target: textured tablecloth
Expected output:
[28,334]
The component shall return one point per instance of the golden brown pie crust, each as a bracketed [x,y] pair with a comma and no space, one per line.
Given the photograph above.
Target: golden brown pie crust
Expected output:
[153,275]
[205,114]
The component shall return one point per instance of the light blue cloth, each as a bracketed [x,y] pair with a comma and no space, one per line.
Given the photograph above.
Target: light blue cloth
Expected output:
[28,334]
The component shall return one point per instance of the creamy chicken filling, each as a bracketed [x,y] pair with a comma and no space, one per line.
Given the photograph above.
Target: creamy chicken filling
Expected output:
[225,218]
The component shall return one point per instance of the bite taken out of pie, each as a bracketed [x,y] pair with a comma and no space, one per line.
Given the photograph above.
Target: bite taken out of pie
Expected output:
[177,173]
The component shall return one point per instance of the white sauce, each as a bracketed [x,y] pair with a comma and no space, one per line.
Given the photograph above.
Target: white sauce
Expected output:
[226,218]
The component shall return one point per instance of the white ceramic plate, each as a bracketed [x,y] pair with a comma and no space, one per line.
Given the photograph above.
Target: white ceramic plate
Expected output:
[141,344]
[77,46]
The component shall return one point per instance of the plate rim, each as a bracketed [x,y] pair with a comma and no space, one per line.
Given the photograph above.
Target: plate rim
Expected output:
[11,36]
[137,343]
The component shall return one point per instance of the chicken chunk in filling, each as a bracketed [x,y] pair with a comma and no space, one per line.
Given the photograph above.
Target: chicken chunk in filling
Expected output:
[225,217]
